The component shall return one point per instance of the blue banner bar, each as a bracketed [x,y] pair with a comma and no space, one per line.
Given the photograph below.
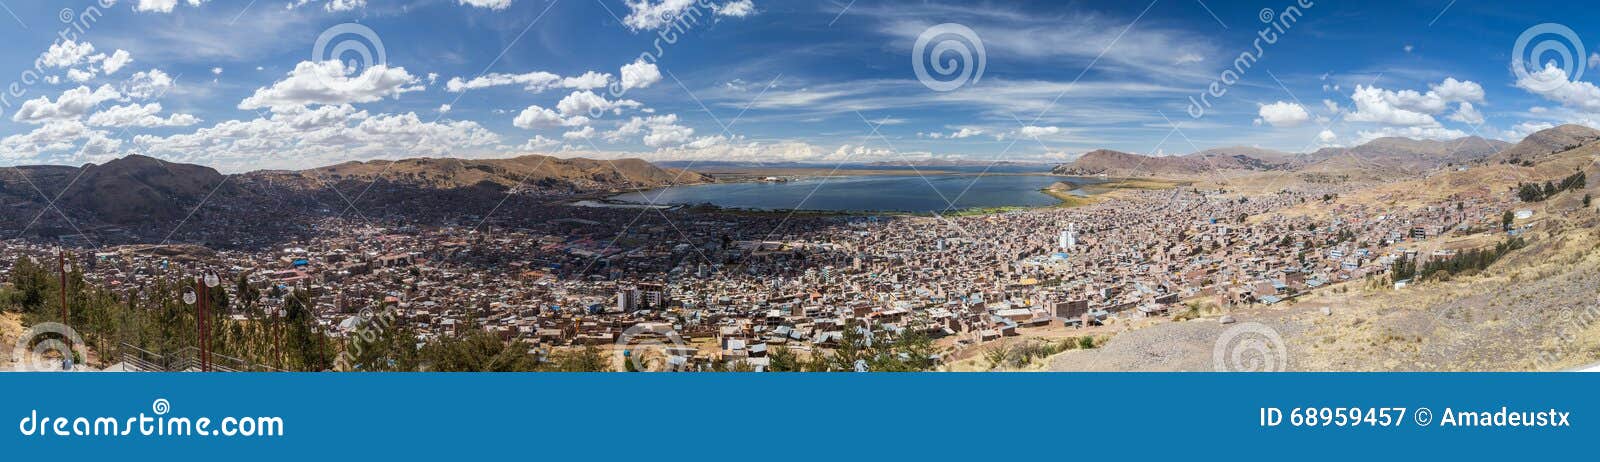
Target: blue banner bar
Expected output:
[1120,416]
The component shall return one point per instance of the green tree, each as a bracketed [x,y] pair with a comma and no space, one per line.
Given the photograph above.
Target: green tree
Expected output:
[477,350]
[587,359]
[31,283]
[882,350]
[784,360]
[309,349]
[381,344]
[1402,269]
[1529,192]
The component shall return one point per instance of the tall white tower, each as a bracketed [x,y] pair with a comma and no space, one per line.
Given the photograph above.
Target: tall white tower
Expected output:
[1069,238]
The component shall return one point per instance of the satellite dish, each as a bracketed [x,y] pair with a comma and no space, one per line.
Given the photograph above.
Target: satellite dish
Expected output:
[212,280]
[188,297]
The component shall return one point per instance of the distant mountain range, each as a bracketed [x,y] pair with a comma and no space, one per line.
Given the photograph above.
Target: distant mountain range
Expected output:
[143,197]
[531,170]
[1379,158]
[958,164]
[745,168]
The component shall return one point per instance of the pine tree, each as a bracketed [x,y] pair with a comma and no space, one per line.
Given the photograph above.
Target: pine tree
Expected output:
[784,360]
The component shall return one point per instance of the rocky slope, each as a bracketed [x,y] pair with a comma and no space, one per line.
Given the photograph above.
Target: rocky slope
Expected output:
[1536,309]
[1545,143]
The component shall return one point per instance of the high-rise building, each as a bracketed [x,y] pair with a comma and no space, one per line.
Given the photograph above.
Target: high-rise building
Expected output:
[656,295]
[1069,238]
[627,299]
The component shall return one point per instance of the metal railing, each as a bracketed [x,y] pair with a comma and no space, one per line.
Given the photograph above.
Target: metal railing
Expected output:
[185,359]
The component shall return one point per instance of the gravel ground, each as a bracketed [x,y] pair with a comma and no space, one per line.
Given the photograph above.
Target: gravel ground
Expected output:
[1190,346]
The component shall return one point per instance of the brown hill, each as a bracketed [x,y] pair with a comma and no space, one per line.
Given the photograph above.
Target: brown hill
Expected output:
[1243,158]
[1204,163]
[127,190]
[138,188]
[1400,157]
[529,171]
[1545,143]
[1117,163]
[1383,157]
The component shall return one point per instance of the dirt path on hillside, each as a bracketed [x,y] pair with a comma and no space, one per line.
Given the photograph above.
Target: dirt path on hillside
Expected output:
[10,329]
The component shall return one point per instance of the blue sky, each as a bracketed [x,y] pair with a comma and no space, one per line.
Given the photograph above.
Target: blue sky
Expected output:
[241,85]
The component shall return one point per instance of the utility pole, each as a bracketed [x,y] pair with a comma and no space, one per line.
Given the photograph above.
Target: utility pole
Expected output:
[198,299]
[61,264]
[205,327]
[200,319]
[208,281]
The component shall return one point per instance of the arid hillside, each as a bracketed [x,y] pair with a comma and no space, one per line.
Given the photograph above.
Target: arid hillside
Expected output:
[1535,309]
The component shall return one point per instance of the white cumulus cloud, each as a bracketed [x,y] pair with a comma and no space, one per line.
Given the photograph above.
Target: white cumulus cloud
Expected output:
[1553,84]
[1409,107]
[535,117]
[161,6]
[134,115]
[654,14]
[1283,114]
[331,82]
[1032,131]
[587,103]
[71,105]
[640,74]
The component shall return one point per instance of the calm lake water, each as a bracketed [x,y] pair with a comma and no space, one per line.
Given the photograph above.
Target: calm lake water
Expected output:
[896,193]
